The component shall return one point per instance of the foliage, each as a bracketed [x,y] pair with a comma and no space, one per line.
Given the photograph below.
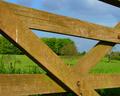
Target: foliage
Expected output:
[69,50]
[8,48]
[82,53]
[18,64]
[59,46]
[113,56]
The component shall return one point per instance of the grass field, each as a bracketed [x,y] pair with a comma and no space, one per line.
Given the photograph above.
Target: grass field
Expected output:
[18,64]
[112,67]
[23,65]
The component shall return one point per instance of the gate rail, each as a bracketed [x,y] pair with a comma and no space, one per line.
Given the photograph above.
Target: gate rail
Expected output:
[16,23]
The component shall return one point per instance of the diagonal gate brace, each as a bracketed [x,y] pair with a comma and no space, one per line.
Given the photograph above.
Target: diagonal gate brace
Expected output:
[18,32]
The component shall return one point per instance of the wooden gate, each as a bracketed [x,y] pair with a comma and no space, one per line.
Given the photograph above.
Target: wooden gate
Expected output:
[16,23]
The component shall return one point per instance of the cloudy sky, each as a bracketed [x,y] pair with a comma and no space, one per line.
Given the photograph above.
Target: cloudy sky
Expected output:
[88,10]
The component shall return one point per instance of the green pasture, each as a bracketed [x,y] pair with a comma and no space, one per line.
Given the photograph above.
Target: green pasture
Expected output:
[23,65]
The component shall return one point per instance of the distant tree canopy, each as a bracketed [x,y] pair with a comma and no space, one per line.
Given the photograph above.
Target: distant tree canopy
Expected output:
[59,46]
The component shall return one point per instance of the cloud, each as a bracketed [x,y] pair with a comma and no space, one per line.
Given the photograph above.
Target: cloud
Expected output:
[52,4]
[27,3]
[71,5]
[91,10]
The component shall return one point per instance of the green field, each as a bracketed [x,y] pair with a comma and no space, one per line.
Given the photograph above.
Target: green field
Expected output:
[23,65]
[112,67]
[18,64]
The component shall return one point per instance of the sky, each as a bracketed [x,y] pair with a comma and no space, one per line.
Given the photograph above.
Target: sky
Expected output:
[88,10]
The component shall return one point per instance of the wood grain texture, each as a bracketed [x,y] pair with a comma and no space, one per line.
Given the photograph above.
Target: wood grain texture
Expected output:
[102,81]
[24,85]
[16,31]
[91,58]
[40,20]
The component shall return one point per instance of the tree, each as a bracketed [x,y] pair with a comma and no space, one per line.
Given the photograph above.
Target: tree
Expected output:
[61,46]
[56,44]
[69,50]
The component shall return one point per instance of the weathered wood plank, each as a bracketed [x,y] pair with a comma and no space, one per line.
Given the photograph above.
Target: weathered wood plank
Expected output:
[93,57]
[21,85]
[101,81]
[26,84]
[60,24]
[33,47]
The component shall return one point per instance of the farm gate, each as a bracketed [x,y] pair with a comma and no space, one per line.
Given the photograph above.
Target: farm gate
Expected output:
[16,23]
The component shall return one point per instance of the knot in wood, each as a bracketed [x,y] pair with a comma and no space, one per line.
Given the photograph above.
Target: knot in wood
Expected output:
[78,84]
[118,36]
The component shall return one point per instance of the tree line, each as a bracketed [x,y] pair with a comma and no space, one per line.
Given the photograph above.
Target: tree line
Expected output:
[61,46]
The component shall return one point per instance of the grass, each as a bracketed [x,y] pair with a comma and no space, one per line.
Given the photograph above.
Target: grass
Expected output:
[18,64]
[112,67]
[21,64]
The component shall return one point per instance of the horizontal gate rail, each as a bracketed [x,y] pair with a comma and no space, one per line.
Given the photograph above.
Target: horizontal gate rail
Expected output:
[12,85]
[102,81]
[36,19]
[26,84]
